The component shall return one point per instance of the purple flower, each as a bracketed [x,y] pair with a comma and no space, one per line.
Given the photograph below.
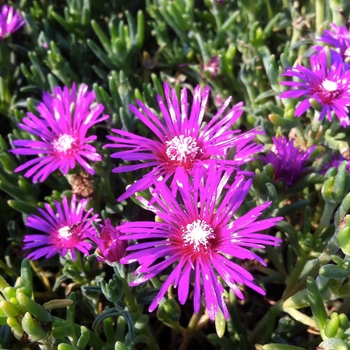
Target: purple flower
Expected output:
[110,248]
[212,67]
[64,121]
[64,230]
[200,236]
[339,38]
[289,162]
[10,21]
[328,85]
[334,162]
[183,140]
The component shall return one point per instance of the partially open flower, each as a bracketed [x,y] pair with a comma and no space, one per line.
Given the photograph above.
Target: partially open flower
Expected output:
[109,248]
[338,37]
[10,21]
[289,162]
[334,162]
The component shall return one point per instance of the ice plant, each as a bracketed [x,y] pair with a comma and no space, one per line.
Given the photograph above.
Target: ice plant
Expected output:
[62,125]
[64,230]
[110,248]
[339,38]
[10,21]
[289,162]
[328,84]
[198,237]
[182,141]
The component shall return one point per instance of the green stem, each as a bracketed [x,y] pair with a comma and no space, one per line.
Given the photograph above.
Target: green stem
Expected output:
[315,125]
[262,323]
[324,257]
[152,345]
[191,329]
[319,10]
[335,5]
[273,256]
[129,297]
[295,275]
[300,134]
[192,325]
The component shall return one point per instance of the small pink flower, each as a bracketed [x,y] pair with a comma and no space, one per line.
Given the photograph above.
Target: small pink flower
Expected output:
[65,230]
[109,248]
[289,162]
[328,84]
[64,121]
[10,21]
[338,37]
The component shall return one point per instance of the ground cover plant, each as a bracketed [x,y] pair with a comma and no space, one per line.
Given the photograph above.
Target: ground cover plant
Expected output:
[174,174]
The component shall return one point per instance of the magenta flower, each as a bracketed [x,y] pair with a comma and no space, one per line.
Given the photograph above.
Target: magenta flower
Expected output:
[338,37]
[183,140]
[64,121]
[10,21]
[110,248]
[328,85]
[289,162]
[334,162]
[200,236]
[64,230]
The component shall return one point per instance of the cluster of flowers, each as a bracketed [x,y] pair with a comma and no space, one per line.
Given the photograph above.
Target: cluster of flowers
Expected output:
[195,181]
[194,192]
[325,86]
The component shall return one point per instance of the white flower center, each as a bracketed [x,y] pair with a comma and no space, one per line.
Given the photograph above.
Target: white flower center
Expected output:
[63,143]
[330,86]
[197,234]
[65,232]
[182,149]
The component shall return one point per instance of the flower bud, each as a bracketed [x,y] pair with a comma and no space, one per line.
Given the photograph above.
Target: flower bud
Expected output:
[109,247]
